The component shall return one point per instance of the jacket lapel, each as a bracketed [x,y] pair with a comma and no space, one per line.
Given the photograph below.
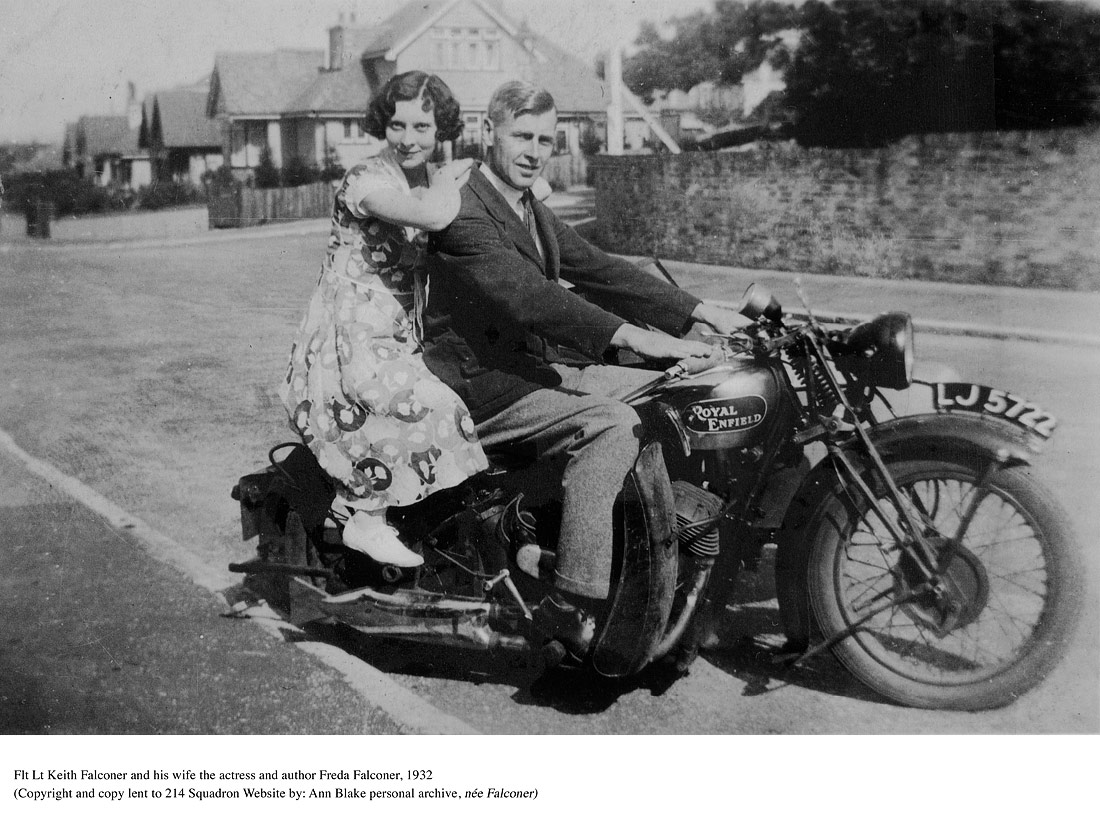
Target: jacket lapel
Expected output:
[501,212]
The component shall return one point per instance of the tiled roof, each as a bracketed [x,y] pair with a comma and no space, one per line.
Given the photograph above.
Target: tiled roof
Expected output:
[179,120]
[377,39]
[107,135]
[262,83]
[334,92]
[574,85]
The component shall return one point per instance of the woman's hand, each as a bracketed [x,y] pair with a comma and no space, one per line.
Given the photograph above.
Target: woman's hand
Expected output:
[455,173]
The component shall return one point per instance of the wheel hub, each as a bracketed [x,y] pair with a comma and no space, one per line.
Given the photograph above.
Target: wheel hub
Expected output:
[955,595]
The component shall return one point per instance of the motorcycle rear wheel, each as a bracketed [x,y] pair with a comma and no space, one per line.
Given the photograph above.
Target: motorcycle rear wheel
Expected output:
[1016,588]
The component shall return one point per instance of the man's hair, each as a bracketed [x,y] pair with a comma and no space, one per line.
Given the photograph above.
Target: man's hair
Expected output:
[415,85]
[518,98]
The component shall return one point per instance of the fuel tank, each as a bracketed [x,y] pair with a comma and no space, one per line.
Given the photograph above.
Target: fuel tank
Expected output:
[727,407]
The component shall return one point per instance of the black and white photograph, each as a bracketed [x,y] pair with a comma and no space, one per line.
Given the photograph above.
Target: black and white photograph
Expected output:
[494,367]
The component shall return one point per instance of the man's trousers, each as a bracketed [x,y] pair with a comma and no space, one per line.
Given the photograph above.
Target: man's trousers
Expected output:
[596,436]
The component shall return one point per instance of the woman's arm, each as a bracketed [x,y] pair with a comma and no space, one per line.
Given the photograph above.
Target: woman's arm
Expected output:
[429,208]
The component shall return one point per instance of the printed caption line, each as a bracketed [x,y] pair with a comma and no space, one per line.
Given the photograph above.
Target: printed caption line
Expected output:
[404,706]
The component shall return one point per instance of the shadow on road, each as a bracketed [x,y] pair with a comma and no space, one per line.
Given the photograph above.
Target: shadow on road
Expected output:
[749,650]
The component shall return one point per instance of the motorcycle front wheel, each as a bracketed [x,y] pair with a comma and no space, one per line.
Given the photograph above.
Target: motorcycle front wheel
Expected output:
[977,627]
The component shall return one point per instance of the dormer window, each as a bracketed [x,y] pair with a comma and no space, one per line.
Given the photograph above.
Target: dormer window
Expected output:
[465,49]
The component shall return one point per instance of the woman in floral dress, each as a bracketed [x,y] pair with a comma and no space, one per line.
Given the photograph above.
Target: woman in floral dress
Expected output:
[357,390]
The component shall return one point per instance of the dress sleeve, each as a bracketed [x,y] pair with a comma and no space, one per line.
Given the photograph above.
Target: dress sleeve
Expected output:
[364,179]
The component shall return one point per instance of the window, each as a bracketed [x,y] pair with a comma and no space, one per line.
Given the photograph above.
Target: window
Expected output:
[465,49]
[247,140]
[347,128]
[561,144]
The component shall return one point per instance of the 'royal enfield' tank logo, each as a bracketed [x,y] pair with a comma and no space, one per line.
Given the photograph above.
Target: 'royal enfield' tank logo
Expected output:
[725,415]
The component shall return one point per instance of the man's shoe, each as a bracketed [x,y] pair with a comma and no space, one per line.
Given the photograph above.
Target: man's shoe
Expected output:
[555,618]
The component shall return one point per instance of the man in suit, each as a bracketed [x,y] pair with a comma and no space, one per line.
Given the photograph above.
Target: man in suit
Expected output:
[526,353]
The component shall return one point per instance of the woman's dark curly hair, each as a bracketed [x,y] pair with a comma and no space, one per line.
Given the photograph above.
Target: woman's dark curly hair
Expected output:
[415,85]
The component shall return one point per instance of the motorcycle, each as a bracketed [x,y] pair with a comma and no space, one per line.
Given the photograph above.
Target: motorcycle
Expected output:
[918,549]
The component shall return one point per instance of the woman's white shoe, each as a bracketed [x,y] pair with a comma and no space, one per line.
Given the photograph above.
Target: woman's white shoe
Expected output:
[371,535]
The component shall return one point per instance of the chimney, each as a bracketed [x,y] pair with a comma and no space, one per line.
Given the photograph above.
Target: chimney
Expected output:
[133,107]
[336,47]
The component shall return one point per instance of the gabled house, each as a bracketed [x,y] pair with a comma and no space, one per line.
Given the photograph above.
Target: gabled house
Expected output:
[309,106]
[106,148]
[248,94]
[183,143]
[474,47]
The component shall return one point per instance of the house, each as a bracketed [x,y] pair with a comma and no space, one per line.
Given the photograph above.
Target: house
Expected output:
[309,106]
[289,103]
[474,48]
[107,150]
[183,143]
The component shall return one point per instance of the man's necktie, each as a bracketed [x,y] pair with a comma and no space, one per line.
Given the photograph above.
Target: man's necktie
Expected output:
[529,216]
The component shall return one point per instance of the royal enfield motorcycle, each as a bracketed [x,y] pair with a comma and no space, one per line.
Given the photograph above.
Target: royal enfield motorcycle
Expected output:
[918,549]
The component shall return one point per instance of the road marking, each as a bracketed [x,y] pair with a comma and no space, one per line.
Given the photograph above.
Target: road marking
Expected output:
[405,707]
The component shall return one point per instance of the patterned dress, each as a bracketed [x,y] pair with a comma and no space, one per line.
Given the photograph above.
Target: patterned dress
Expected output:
[357,390]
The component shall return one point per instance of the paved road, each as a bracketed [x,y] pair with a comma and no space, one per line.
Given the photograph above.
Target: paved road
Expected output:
[148,373]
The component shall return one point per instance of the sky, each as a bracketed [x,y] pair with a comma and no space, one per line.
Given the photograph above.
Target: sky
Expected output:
[61,59]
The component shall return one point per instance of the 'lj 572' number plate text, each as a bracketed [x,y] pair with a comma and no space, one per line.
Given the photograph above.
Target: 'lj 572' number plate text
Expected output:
[977,398]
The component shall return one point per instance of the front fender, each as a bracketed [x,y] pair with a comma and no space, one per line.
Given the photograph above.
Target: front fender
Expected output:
[952,435]
[641,599]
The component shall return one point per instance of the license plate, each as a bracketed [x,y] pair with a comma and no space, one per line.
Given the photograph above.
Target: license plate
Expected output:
[977,398]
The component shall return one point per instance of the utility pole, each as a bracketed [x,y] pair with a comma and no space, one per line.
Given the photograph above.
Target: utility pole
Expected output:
[615,109]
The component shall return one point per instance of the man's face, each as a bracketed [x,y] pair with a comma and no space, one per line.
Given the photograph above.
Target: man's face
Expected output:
[519,147]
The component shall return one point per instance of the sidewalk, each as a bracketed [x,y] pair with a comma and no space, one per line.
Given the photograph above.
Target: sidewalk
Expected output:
[130,646]
[997,312]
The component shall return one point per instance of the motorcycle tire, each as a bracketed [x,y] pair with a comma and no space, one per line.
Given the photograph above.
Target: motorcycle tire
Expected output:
[1017,577]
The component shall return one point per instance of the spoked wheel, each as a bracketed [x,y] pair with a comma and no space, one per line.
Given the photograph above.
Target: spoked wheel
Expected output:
[968,623]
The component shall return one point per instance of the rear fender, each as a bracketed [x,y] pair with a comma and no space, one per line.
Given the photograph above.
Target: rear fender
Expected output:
[971,438]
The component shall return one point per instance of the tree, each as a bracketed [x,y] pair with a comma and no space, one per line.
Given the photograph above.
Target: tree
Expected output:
[867,73]
[720,46]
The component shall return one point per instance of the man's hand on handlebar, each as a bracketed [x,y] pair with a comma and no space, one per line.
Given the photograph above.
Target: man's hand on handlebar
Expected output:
[724,321]
[656,345]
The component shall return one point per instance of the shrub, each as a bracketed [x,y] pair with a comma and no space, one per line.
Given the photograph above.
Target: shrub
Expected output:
[296,172]
[266,174]
[162,194]
[332,170]
[220,179]
[69,193]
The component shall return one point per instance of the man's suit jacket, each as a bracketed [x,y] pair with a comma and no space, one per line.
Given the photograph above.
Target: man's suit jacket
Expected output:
[497,316]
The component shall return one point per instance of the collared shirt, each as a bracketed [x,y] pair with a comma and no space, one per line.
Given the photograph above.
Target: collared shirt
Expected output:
[514,197]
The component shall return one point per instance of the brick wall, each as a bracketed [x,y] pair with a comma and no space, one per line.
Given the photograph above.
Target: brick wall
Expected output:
[1019,208]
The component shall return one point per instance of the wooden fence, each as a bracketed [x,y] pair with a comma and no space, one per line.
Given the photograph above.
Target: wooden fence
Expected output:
[245,206]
